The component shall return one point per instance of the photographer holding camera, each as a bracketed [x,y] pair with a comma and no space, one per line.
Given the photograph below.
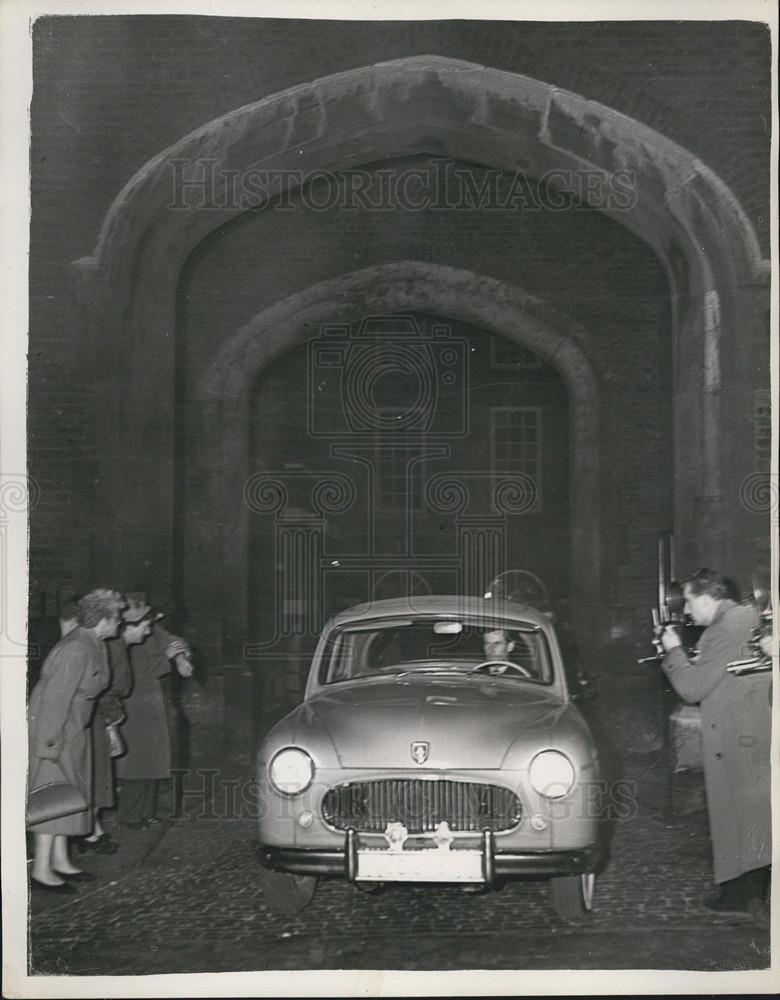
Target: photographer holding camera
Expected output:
[736,736]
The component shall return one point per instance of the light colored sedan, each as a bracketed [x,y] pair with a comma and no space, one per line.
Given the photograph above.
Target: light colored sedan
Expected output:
[437,742]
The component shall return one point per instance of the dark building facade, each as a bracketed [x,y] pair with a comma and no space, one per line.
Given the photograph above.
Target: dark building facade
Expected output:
[564,229]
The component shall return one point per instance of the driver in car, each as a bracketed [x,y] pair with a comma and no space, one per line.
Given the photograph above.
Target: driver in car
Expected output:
[497,646]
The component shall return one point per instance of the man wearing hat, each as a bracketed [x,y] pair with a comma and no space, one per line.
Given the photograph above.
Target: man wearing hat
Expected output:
[145,730]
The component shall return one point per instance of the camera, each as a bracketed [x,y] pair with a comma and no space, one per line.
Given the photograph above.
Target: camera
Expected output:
[387,377]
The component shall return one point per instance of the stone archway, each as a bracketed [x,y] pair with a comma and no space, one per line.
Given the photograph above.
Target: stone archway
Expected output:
[224,400]
[419,105]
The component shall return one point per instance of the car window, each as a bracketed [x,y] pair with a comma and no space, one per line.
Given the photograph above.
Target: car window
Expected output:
[386,648]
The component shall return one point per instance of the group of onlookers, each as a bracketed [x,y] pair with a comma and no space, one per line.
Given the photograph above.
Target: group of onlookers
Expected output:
[97,708]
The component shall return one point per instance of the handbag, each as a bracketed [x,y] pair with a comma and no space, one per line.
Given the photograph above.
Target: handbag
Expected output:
[53,801]
[115,742]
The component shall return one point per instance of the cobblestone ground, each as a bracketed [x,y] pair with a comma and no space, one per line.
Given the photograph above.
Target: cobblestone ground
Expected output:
[195,904]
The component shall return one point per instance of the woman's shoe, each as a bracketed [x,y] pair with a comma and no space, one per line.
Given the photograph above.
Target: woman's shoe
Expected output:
[153,821]
[103,845]
[77,876]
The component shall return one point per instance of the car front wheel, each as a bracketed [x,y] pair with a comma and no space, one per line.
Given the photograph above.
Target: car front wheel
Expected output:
[572,895]
[286,893]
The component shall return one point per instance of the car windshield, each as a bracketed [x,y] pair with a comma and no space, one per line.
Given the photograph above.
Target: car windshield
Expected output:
[436,646]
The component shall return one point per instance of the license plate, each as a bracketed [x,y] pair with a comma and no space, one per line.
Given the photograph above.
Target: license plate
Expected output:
[420,866]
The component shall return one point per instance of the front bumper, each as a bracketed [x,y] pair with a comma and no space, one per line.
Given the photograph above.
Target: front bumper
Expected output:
[495,864]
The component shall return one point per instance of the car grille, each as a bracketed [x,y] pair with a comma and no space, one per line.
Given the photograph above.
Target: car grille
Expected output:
[368,806]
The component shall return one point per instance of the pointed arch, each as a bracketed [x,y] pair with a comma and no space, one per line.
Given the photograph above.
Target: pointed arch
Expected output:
[417,105]
[504,309]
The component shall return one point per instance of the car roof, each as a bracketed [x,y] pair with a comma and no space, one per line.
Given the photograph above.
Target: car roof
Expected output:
[443,604]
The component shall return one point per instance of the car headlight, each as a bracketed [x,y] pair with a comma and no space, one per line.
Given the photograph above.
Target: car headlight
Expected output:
[291,771]
[551,774]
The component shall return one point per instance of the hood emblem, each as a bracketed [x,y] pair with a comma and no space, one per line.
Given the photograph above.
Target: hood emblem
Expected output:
[419,751]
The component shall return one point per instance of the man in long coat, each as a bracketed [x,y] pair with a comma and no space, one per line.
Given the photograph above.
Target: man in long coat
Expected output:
[736,736]
[146,730]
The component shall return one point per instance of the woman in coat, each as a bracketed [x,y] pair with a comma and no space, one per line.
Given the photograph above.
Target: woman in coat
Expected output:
[60,714]
[109,712]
